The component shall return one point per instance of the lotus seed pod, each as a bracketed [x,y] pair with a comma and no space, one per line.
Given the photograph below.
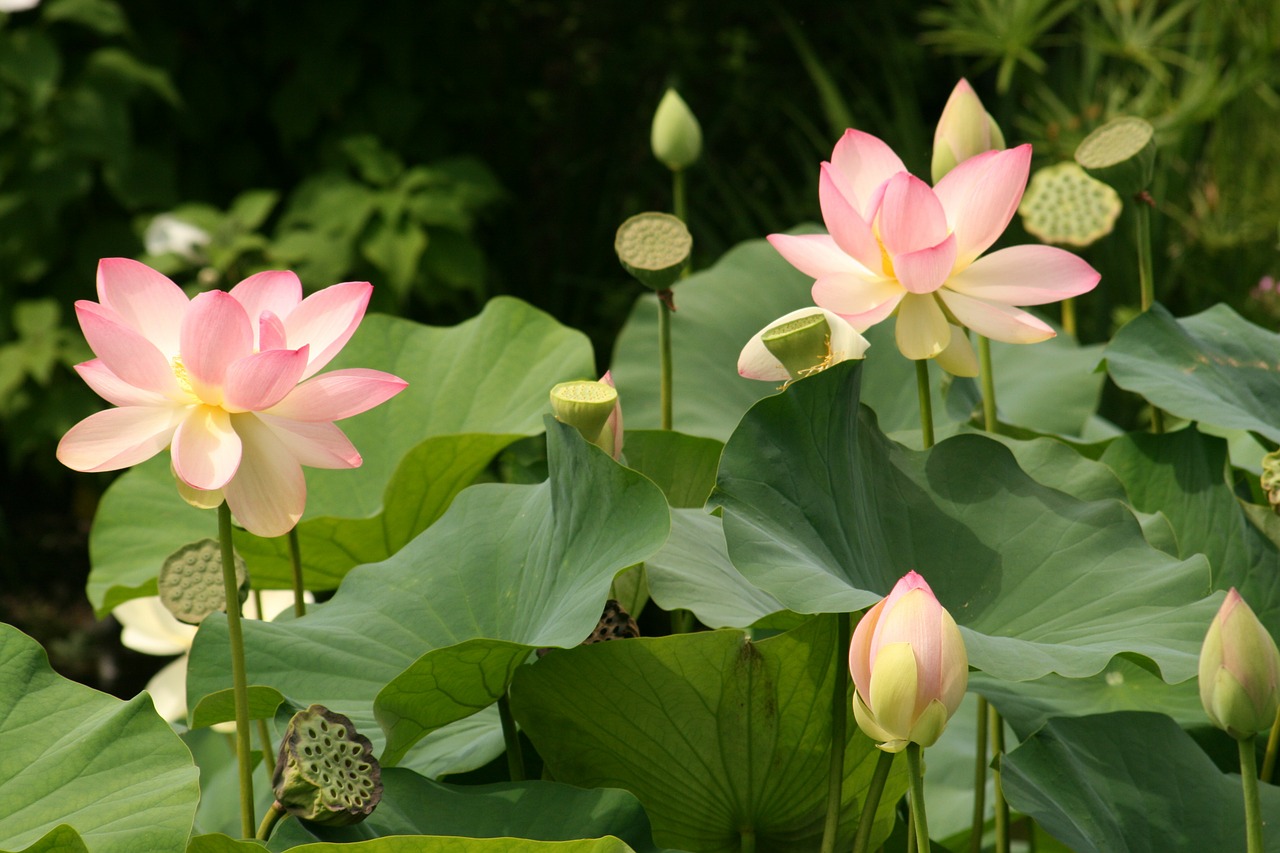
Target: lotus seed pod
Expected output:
[1271,478]
[676,136]
[615,624]
[1063,205]
[191,585]
[585,405]
[653,247]
[803,345]
[1121,153]
[325,771]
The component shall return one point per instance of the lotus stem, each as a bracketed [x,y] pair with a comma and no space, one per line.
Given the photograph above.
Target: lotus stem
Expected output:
[926,402]
[1252,804]
[515,755]
[1269,760]
[872,802]
[915,775]
[980,780]
[664,350]
[269,821]
[747,843]
[239,681]
[1069,316]
[988,385]
[839,728]
[1001,806]
[299,588]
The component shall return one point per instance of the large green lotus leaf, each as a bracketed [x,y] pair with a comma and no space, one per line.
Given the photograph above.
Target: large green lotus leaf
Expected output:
[435,632]
[1214,367]
[714,734]
[541,811]
[112,771]
[1049,387]
[683,466]
[60,839]
[420,844]
[1184,475]
[693,571]
[473,389]
[718,310]
[825,513]
[459,747]
[1122,686]
[1129,781]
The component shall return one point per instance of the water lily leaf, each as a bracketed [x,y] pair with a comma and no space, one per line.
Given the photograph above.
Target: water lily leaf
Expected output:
[473,389]
[714,734]
[1129,781]
[1214,367]
[77,763]
[825,513]
[540,811]
[420,844]
[1184,475]
[435,632]
[693,571]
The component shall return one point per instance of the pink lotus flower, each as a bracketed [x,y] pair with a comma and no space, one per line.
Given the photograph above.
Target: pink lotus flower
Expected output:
[216,379]
[895,245]
[909,666]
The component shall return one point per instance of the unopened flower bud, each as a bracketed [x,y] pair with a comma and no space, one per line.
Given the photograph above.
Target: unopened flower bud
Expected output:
[800,344]
[965,130]
[1239,671]
[909,666]
[325,771]
[676,137]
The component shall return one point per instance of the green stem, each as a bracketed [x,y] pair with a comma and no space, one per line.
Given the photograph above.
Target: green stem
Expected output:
[515,755]
[1146,281]
[664,353]
[1252,805]
[988,385]
[299,589]
[911,835]
[1269,760]
[839,729]
[269,821]
[980,780]
[681,621]
[239,681]
[926,402]
[747,843]
[268,754]
[869,806]
[1069,316]
[678,206]
[915,777]
[1001,807]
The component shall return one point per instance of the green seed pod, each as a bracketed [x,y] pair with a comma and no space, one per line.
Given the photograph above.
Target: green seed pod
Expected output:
[190,584]
[325,771]
[585,405]
[1064,206]
[803,345]
[1271,478]
[1121,153]
[653,247]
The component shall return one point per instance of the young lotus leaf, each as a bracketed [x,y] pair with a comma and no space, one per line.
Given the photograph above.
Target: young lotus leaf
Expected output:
[436,631]
[1214,367]
[1129,781]
[540,811]
[79,763]
[717,736]
[419,451]
[825,513]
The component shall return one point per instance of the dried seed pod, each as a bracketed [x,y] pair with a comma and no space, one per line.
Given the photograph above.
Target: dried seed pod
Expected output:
[191,585]
[1271,478]
[325,771]
[615,624]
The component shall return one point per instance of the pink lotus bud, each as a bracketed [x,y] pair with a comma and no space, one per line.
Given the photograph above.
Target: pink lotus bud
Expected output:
[1239,671]
[909,666]
[965,130]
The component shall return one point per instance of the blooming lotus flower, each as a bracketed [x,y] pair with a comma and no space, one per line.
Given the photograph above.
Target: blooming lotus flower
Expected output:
[227,382]
[965,130]
[799,344]
[909,666]
[1239,671]
[897,246]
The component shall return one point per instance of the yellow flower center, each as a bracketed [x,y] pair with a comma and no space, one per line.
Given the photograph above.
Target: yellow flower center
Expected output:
[180,373]
[885,261]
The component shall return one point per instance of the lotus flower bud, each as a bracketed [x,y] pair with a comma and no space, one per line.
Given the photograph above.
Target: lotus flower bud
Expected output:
[965,130]
[800,344]
[1239,671]
[909,667]
[326,772]
[592,409]
[1271,478]
[676,137]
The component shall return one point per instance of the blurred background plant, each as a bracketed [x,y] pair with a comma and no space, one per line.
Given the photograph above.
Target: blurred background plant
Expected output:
[450,152]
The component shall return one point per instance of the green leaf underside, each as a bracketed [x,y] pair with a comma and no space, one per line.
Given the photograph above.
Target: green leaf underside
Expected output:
[436,631]
[825,513]
[112,772]
[714,734]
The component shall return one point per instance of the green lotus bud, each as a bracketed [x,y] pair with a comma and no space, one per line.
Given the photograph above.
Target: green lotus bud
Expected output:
[325,771]
[965,130]
[1271,478]
[585,405]
[676,137]
[191,586]
[1064,206]
[1121,153]
[1239,671]
[653,247]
